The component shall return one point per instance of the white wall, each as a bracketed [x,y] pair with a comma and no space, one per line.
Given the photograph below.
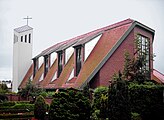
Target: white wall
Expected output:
[53,57]
[54,77]
[68,52]
[22,55]
[41,77]
[71,75]
[40,60]
[90,45]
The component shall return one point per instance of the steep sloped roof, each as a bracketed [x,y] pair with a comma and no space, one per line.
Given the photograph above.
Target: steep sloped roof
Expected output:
[38,74]
[66,72]
[80,39]
[26,77]
[112,36]
[107,41]
[49,75]
[157,76]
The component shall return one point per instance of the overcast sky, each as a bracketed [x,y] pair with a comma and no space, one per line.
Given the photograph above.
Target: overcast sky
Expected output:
[57,20]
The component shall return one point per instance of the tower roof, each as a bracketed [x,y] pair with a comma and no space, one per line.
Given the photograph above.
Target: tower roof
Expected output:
[23,29]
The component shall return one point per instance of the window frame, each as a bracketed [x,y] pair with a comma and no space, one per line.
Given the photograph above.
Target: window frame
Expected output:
[144,47]
[60,63]
[78,60]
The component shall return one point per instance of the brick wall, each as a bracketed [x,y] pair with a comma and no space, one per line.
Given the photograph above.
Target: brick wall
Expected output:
[116,61]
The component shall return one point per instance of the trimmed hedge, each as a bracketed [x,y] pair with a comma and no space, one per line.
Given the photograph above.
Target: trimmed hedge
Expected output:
[10,110]
[147,100]
[7,104]
[30,107]
[27,115]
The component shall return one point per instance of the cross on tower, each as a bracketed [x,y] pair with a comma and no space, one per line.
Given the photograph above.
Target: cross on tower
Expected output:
[27,18]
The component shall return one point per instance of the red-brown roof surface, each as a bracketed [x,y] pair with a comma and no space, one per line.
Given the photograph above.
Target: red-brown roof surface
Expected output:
[49,75]
[110,36]
[27,77]
[157,76]
[102,48]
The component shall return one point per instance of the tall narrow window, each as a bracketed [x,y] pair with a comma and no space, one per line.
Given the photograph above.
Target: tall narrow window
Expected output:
[60,63]
[78,60]
[29,38]
[21,38]
[35,66]
[46,65]
[143,51]
[25,38]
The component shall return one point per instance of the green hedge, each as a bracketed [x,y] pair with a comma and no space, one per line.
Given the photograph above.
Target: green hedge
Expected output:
[147,100]
[8,116]
[11,110]
[7,104]
[24,106]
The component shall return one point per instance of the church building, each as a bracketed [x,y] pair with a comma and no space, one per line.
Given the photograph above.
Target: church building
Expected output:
[91,58]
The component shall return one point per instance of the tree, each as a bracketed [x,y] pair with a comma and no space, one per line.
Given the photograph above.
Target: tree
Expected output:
[119,107]
[3,88]
[98,92]
[86,91]
[40,108]
[100,103]
[133,69]
[30,90]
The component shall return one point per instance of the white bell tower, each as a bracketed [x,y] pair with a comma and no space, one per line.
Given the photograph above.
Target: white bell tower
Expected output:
[22,54]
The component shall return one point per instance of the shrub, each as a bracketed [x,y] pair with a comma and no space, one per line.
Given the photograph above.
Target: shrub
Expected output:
[40,108]
[136,116]
[3,98]
[95,115]
[7,104]
[29,107]
[147,100]
[119,108]
[98,92]
[71,105]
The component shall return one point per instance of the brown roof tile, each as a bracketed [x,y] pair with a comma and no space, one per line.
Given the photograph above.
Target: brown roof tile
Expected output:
[104,45]
[49,75]
[27,77]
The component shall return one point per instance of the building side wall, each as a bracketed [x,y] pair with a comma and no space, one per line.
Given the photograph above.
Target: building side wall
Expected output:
[116,61]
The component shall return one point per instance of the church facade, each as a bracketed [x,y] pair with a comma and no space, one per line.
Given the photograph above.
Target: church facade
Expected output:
[91,58]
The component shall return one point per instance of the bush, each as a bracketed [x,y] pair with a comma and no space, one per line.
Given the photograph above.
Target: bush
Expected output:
[7,104]
[70,105]
[119,107]
[12,116]
[147,100]
[40,108]
[98,92]
[3,98]
[136,116]
[95,115]
[29,107]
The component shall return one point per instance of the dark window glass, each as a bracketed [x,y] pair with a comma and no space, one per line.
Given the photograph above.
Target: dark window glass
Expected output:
[78,60]
[29,38]
[46,65]
[21,38]
[25,38]
[35,67]
[60,63]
